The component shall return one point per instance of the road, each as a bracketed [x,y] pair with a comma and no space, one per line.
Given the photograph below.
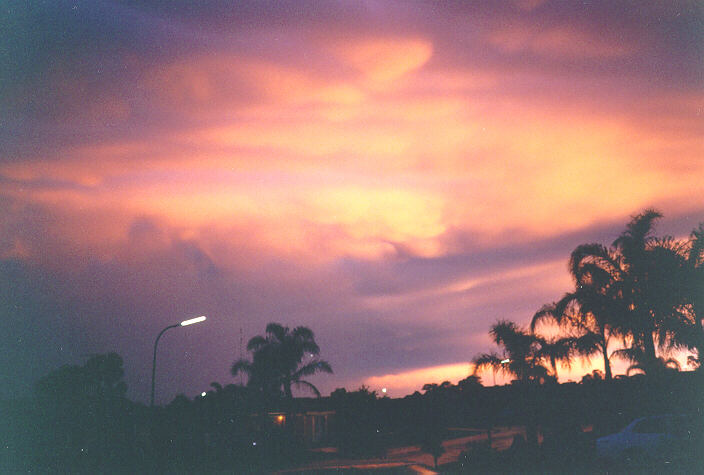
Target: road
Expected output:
[411,458]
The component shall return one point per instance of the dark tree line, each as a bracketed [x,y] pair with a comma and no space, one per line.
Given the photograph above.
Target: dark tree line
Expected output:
[639,299]
[78,418]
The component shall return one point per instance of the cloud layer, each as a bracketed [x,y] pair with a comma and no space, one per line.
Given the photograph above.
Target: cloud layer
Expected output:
[395,176]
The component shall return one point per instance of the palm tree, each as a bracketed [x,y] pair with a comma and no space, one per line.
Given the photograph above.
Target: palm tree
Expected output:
[691,333]
[584,314]
[588,312]
[556,350]
[521,358]
[278,360]
[631,291]
[637,323]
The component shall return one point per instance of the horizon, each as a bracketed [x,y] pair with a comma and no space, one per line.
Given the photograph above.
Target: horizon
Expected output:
[394,176]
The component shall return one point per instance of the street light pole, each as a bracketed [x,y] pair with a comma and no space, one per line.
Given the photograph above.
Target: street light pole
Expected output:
[156,342]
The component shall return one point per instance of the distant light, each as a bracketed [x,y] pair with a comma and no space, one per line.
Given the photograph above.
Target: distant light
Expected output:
[203,394]
[507,360]
[383,390]
[193,320]
[254,443]
[280,419]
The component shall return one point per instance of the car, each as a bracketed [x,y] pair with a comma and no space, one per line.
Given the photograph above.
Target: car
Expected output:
[663,438]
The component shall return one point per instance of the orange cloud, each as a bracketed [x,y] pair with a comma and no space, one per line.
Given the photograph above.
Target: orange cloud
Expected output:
[341,157]
[400,384]
[384,60]
[401,170]
[209,83]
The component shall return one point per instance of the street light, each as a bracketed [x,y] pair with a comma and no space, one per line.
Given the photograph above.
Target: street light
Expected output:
[156,342]
[192,321]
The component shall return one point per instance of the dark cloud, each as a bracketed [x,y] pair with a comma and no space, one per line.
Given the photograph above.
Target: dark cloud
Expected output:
[416,273]
[407,274]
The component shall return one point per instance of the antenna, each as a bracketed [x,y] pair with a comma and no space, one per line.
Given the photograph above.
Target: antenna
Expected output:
[241,354]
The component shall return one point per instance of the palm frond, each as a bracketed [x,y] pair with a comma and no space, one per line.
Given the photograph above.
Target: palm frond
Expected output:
[632,354]
[310,346]
[564,306]
[306,384]
[303,333]
[241,366]
[555,350]
[311,368]
[591,253]
[587,344]
[487,360]
[696,246]
[277,330]
[547,313]
[595,273]
[635,367]
[506,333]
[257,342]
[638,230]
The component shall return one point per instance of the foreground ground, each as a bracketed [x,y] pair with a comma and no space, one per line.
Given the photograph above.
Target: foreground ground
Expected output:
[411,459]
[503,457]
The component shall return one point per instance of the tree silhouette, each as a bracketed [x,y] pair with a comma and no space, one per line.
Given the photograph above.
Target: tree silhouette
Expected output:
[471,383]
[584,315]
[522,350]
[278,360]
[358,422]
[633,290]
[435,388]
[104,374]
[595,375]
[660,367]
[555,350]
[83,407]
[100,378]
[523,354]
[650,299]
[690,332]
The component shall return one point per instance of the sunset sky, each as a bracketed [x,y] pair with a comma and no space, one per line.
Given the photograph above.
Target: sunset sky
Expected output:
[394,175]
